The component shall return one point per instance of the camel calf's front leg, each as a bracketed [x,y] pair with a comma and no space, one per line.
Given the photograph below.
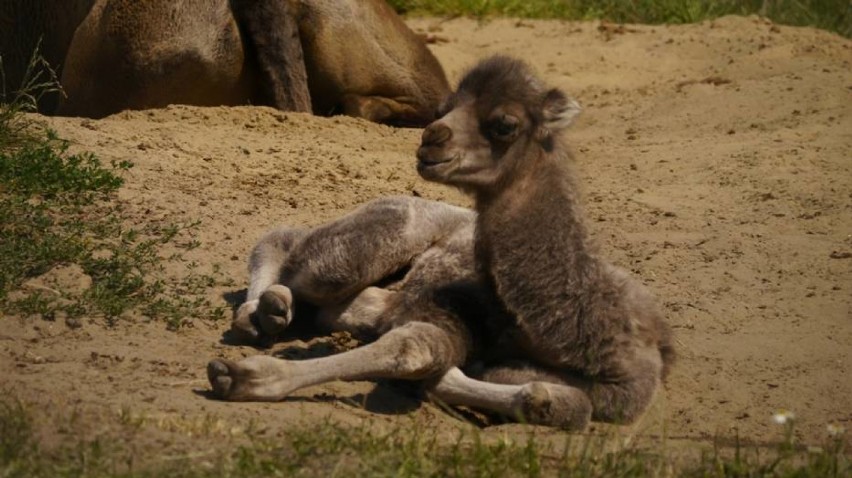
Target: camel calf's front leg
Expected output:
[414,351]
[267,309]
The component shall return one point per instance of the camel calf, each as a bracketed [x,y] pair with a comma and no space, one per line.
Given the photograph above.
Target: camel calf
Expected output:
[513,293]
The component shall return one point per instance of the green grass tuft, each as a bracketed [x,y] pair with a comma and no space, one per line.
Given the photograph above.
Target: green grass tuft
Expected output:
[329,449]
[16,439]
[832,15]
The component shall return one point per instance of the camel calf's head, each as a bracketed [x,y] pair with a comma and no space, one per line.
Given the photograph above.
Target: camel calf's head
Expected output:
[499,119]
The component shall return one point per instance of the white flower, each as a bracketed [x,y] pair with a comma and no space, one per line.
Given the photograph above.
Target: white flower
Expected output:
[835,430]
[783,416]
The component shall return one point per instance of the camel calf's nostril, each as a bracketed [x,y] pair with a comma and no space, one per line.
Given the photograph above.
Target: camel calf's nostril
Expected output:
[436,134]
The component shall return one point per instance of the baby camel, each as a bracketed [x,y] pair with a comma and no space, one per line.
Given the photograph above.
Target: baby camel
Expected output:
[513,293]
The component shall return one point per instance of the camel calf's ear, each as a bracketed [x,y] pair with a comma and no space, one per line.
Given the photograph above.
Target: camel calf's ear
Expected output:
[559,110]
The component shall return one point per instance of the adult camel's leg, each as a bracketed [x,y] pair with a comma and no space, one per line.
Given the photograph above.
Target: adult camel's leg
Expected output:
[398,111]
[272,30]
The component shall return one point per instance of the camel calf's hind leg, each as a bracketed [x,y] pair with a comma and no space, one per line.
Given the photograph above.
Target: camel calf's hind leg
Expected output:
[625,400]
[414,351]
[539,403]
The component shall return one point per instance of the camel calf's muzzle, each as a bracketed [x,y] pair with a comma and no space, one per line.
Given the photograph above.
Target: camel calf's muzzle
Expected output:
[431,150]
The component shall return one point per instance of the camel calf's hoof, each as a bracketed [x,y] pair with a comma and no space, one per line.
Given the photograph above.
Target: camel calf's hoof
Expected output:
[218,373]
[259,378]
[274,310]
[243,328]
[554,405]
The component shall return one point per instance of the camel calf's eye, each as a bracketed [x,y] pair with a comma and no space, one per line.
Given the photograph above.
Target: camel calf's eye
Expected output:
[503,127]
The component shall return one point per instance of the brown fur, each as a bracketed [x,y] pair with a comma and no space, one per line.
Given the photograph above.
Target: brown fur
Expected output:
[514,293]
[326,56]
[272,31]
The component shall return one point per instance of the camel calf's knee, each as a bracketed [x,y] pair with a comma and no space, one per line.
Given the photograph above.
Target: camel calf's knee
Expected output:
[555,405]
[625,401]
[419,350]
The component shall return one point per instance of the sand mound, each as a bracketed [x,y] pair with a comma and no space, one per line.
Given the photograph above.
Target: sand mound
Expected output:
[716,162]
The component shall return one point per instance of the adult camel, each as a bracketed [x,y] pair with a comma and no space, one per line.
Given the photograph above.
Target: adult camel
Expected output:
[328,57]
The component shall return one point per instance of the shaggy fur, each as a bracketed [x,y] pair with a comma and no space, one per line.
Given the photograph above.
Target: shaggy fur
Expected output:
[513,293]
[573,311]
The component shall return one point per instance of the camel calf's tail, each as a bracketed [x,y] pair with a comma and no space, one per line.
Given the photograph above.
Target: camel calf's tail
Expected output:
[667,350]
[271,29]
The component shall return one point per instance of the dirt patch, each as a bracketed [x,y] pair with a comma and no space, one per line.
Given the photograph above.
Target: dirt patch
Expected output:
[715,163]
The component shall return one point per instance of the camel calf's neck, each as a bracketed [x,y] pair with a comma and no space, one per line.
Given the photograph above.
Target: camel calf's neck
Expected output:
[531,246]
[498,140]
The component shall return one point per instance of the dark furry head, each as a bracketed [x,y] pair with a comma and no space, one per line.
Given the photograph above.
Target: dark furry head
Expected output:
[501,79]
[500,119]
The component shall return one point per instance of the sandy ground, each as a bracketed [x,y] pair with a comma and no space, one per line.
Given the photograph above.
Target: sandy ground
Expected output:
[716,163]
